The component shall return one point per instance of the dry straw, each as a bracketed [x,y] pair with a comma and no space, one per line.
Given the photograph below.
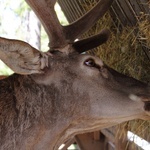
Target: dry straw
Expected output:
[125,52]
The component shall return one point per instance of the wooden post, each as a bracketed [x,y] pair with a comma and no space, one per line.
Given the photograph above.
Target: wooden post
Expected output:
[90,141]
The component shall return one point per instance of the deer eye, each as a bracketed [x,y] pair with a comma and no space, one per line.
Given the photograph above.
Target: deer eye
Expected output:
[90,63]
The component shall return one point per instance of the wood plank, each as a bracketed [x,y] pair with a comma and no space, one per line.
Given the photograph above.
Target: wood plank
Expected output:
[116,22]
[86,142]
[65,10]
[135,6]
[68,143]
[96,135]
[109,135]
[119,14]
[129,14]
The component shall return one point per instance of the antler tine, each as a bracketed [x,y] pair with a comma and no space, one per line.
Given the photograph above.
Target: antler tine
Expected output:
[77,28]
[60,36]
[44,9]
[91,42]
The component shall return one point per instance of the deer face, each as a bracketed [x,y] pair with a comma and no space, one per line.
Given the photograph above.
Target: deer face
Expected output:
[84,80]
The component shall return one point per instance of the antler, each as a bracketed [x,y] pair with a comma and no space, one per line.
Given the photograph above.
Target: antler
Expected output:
[89,19]
[60,36]
[94,41]
[44,9]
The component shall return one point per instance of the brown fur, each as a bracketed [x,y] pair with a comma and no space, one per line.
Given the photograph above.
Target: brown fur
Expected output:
[43,110]
[25,104]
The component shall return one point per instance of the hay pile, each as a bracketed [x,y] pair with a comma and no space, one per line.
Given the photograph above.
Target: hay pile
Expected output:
[126,52]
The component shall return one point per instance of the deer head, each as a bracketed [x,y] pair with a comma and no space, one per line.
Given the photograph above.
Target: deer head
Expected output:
[58,94]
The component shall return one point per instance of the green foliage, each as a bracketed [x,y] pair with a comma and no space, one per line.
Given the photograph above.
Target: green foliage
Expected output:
[23,7]
[60,15]
[21,11]
[4,70]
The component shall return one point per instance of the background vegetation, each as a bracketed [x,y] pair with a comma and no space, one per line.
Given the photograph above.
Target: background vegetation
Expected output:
[17,21]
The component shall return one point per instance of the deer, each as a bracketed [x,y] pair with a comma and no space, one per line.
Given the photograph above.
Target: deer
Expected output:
[53,96]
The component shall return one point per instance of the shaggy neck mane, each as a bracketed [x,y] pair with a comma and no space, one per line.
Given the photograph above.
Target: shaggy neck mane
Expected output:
[26,105]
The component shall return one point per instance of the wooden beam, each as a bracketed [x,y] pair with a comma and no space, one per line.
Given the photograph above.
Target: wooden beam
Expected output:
[87,142]
[108,135]
[68,143]
[96,135]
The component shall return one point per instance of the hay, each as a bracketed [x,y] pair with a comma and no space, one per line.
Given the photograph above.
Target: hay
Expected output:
[125,52]
[144,29]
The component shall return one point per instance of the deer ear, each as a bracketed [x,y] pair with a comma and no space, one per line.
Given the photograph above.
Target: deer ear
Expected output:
[92,42]
[21,57]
